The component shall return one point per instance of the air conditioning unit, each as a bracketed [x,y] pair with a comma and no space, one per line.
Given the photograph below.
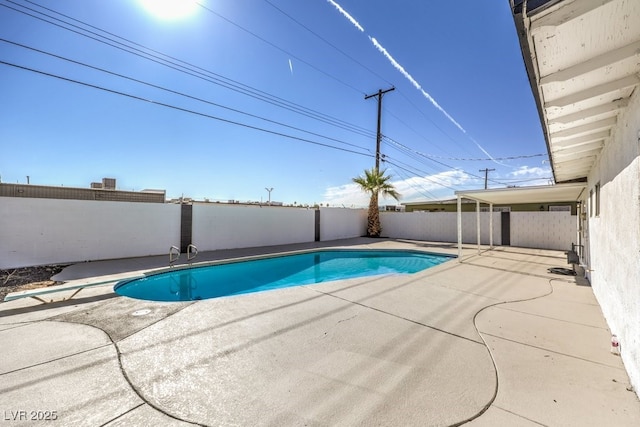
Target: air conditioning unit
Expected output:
[109,183]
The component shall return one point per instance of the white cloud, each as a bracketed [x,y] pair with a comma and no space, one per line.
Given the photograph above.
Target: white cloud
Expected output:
[416,188]
[533,172]
[435,186]
[348,195]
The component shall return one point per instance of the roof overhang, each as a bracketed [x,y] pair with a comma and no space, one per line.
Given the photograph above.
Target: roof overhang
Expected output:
[583,62]
[537,194]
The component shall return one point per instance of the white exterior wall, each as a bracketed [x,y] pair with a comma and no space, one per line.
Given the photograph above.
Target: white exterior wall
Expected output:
[544,230]
[54,231]
[614,236]
[340,223]
[439,226]
[221,226]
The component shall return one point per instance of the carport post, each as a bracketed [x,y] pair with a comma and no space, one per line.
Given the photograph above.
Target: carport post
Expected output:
[478,223]
[459,229]
[490,225]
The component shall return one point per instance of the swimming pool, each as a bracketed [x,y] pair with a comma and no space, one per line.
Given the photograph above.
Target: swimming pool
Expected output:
[263,274]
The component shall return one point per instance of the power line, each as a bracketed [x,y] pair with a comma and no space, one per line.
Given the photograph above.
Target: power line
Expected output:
[327,42]
[371,71]
[280,49]
[515,180]
[177,92]
[433,123]
[407,179]
[524,156]
[366,68]
[189,69]
[412,155]
[420,173]
[174,107]
[223,81]
[217,79]
[422,161]
[404,147]
[346,55]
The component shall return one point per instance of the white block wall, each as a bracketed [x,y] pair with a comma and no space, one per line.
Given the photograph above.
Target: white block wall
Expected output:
[51,231]
[439,226]
[221,226]
[544,230]
[340,223]
[614,235]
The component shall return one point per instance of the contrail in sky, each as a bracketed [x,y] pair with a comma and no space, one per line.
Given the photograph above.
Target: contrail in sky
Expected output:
[409,77]
[346,15]
[413,81]
[290,66]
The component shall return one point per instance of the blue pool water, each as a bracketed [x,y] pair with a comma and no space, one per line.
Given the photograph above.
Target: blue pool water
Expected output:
[271,273]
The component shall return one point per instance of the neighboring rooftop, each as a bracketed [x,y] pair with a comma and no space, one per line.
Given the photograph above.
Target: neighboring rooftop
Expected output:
[104,191]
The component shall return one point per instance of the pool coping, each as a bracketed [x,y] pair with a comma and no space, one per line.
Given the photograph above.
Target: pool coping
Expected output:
[80,284]
[227,261]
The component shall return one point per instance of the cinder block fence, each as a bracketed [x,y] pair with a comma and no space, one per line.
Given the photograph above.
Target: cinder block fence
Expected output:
[38,231]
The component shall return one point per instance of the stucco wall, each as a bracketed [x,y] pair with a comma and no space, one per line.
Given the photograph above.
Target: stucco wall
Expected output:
[220,226]
[614,236]
[54,231]
[339,223]
[439,226]
[544,230]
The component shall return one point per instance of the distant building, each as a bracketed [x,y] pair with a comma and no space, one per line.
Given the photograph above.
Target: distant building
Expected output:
[393,208]
[103,191]
[450,205]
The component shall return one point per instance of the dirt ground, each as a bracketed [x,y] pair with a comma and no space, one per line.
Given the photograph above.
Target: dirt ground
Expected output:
[21,279]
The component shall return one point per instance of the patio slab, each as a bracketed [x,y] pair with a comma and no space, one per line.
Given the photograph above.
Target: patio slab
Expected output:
[84,389]
[36,343]
[394,350]
[144,415]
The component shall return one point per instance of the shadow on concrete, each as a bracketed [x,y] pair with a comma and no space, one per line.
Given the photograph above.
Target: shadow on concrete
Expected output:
[56,304]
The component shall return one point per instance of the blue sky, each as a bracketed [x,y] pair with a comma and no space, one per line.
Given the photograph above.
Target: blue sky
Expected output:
[241,95]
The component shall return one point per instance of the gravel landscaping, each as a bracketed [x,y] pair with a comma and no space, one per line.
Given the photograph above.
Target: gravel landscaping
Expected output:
[20,279]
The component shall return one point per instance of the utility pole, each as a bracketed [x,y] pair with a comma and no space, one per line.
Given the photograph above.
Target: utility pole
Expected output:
[269,190]
[378,134]
[486,175]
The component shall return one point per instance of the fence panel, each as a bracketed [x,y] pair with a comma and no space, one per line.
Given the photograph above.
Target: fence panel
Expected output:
[58,231]
[544,230]
[222,226]
[439,226]
[340,223]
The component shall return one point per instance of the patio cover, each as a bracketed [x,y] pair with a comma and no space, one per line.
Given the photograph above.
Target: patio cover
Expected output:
[535,194]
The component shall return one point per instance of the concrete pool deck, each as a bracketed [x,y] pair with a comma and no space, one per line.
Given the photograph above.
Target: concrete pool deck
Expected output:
[493,340]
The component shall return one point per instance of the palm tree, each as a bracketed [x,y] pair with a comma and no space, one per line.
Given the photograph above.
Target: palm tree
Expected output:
[375,182]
